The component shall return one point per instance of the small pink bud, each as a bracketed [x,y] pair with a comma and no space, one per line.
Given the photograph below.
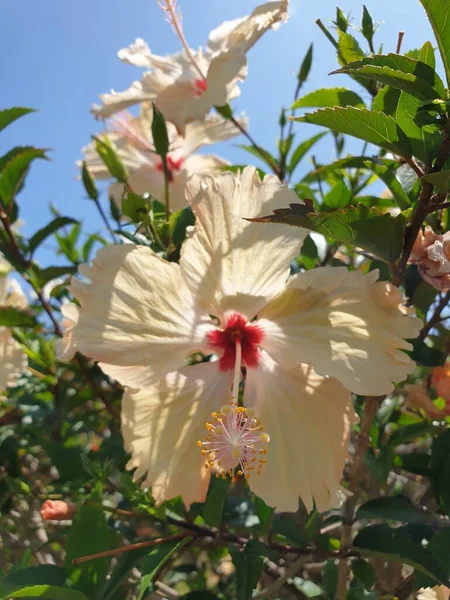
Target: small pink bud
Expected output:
[57,510]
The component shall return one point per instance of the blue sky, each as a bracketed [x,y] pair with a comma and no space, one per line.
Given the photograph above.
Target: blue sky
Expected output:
[58,56]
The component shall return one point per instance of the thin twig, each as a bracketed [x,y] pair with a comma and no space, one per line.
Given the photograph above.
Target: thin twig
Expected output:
[399,41]
[436,316]
[105,220]
[119,551]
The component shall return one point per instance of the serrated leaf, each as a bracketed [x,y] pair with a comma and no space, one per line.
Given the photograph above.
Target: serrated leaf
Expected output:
[337,96]
[403,81]
[438,14]
[88,182]
[386,100]
[108,154]
[348,48]
[368,228]
[14,317]
[370,126]
[398,545]
[432,83]
[9,115]
[155,560]
[367,27]
[393,508]
[302,149]
[248,564]
[37,238]
[215,501]
[14,170]
[49,592]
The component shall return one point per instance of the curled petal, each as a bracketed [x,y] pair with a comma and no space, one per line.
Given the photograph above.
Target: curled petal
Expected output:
[57,510]
[13,360]
[346,325]
[136,316]
[308,419]
[161,425]
[228,257]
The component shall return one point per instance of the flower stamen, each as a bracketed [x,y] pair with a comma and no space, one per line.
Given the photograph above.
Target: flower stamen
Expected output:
[235,439]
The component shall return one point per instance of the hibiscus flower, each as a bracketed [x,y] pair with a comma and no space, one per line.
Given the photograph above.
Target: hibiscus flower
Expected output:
[13,360]
[133,140]
[304,340]
[185,86]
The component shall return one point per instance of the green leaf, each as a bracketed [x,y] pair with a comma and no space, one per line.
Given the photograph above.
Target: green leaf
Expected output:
[9,115]
[135,207]
[14,170]
[121,570]
[338,196]
[305,67]
[329,97]
[88,534]
[108,154]
[248,564]
[386,100]
[398,545]
[440,180]
[37,238]
[388,177]
[427,356]
[367,27]
[215,501]
[43,276]
[393,508]
[309,254]
[14,317]
[368,228]
[370,126]
[443,486]
[49,592]
[89,182]
[330,578]
[225,111]
[260,153]
[159,133]
[154,562]
[341,20]
[43,574]
[363,571]
[302,149]
[439,15]
[407,82]
[406,434]
[424,81]
[348,48]
[184,220]
[352,162]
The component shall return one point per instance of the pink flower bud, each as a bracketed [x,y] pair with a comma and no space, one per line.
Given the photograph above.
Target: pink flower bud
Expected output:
[440,378]
[57,510]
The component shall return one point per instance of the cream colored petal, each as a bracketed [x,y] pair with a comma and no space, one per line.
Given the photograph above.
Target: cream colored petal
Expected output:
[13,360]
[16,295]
[137,317]
[211,130]
[308,419]
[246,32]
[224,73]
[161,425]
[344,324]
[439,592]
[228,261]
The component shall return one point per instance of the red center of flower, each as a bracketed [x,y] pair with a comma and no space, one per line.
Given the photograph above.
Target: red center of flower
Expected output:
[200,86]
[172,165]
[237,330]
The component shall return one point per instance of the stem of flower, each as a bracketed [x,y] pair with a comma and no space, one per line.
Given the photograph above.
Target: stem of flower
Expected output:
[237,372]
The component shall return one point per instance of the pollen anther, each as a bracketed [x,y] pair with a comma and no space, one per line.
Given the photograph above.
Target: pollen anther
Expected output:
[234,440]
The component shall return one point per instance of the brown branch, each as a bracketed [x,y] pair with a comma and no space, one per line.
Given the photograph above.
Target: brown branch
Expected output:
[371,407]
[399,41]
[435,317]
[118,551]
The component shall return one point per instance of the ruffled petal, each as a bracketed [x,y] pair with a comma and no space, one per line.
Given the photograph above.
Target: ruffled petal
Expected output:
[161,425]
[13,360]
[246,32]
[228,262]
[346,325]
[211,130]
[308,419]
[137,316]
